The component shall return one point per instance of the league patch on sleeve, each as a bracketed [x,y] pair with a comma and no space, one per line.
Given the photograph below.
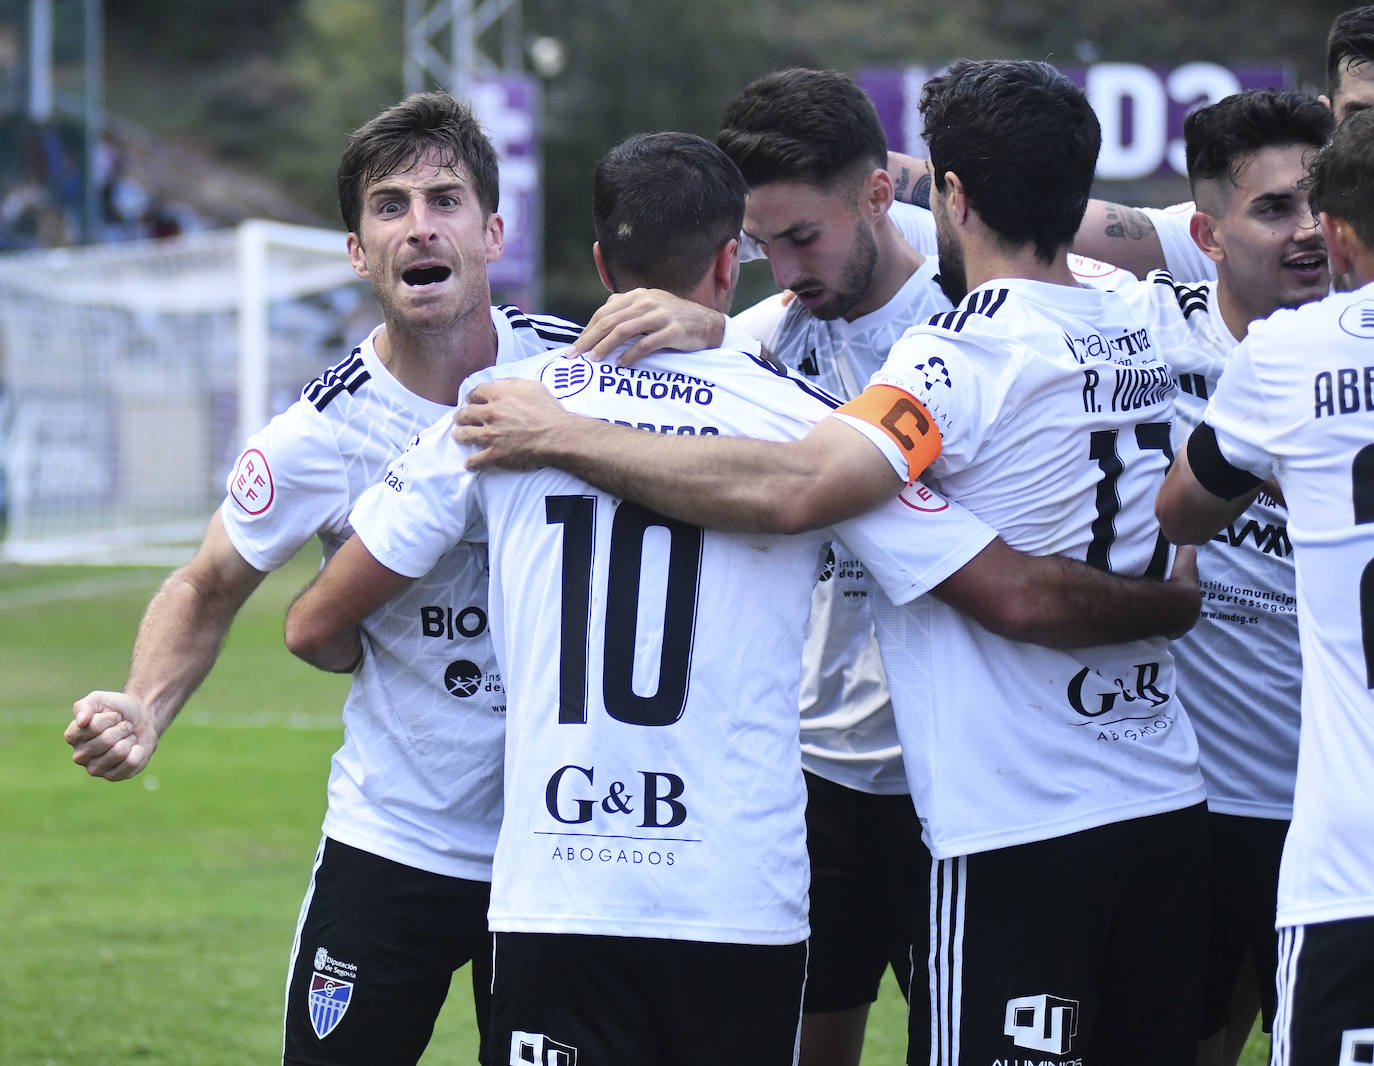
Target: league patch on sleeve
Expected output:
[905,421]
[251,483]
[920,498]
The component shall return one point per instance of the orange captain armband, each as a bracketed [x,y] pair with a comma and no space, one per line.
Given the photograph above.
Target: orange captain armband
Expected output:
[905,421]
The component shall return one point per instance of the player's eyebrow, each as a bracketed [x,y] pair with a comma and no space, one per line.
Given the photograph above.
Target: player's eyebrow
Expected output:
[790,232]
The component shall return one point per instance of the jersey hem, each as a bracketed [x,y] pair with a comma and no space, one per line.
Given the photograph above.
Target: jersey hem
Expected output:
[972,845]
[712,934]
[1330,912]
[445,866]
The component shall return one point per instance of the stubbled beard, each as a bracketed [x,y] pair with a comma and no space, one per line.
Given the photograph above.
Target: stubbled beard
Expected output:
[953,278]
[856,277]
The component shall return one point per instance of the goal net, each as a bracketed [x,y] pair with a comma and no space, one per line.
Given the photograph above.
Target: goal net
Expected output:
[130,375]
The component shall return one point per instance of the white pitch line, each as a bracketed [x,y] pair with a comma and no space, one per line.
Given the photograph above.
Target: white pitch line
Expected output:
[38,595]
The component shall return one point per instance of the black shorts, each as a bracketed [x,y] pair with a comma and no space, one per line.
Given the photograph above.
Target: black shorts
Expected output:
[867,862]
[1244,865]
[375,950]
[1085,948]
[1326,994]
[563,999]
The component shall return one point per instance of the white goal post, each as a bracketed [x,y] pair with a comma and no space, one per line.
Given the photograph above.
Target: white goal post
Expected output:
[130,375]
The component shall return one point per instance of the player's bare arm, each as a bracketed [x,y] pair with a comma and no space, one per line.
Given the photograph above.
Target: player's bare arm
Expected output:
[653,319]
[114,734]
[322,624]
[1120,235]
[1063,603]
[910,179]
[1188,512]
[730,483]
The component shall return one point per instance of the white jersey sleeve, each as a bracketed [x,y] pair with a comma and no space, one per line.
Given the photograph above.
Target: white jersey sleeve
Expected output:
[1182,257]
[287,485]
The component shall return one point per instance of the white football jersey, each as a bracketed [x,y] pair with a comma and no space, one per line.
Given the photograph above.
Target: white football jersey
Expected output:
[1239,669]
[1296,403]
[418,779]
[1053,407]
[848,733]
[1182,257]
[653,771]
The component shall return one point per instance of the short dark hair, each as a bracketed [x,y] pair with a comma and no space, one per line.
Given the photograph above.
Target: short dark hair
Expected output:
[664,204]
[812,126]
[397,138]
[1340,180]
[1350,41]
[1219,139]
[1023,140]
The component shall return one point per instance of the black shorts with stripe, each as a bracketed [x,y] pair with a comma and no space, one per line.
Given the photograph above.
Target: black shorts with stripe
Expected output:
[1325,1008]
[376,948]
[1085,948]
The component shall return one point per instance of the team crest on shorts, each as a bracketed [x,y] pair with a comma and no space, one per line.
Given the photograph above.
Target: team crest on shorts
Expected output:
[328,1001]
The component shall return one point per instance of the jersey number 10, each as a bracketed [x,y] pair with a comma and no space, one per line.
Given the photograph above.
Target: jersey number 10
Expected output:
[577,516]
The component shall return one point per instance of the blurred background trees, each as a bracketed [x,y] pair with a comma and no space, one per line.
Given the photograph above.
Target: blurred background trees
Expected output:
[271,88]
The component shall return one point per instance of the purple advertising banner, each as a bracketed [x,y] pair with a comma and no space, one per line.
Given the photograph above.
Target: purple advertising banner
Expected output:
[508,107]
[1141,108]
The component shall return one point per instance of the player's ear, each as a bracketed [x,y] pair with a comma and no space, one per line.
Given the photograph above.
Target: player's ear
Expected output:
[725,272]
[356,256]
[601,267]
[1338,250]
[1202,227]
[496,236]
[956,195]
[878,193]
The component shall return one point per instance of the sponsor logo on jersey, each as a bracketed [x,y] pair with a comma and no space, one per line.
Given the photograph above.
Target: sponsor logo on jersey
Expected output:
[435,621]
[1042,1023]
[536,1049]
[463,679]
[573,798]
[567,377]
[328,1000]
[1092,694]
[827,567]
[654,384]
[1358,320]
[919,498]
[251,483]
[327,964]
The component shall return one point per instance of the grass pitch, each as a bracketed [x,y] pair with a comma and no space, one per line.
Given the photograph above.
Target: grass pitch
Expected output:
[149,921]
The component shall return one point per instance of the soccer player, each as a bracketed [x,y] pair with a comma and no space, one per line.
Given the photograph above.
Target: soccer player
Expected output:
[677,850]
[1295,404]
[1239,669]
[1041,405]
[812,149]
[398,895]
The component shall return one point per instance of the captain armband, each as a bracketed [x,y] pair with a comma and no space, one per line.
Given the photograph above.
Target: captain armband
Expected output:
[905,422]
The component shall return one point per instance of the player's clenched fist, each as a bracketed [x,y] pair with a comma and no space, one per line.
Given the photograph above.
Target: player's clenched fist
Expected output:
[111,735]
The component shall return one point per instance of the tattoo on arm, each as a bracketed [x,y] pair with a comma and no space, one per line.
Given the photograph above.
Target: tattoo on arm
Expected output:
[917,192]
[1129,223]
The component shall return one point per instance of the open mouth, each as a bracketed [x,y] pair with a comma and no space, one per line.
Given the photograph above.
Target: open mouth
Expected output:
[431,275]
[1311,261]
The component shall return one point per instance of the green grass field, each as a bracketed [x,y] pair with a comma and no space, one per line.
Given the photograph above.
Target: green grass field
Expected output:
[149,921]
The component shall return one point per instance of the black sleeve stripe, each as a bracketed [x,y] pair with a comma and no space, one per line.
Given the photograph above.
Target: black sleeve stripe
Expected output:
[781,371]
[1212,470]
[548,327]
[348,374]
